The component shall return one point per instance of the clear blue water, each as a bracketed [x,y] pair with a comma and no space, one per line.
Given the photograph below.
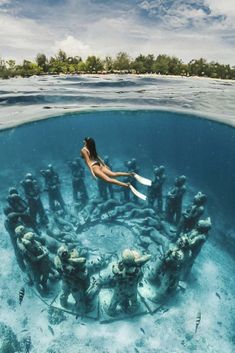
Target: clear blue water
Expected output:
[201,149]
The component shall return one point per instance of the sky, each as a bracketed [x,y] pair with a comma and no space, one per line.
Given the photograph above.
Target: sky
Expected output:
[188,29]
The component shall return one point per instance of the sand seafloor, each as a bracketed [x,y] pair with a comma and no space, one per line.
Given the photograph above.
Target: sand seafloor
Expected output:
[194,149]
[210,289]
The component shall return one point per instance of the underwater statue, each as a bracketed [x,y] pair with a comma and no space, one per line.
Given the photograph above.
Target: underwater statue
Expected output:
[117,211]
[103,208]
[18,205]
[36,259]
[154,222]
[63,222]
[100,170]
[192,214]
[106,190]
[78,184]
[155,190]
[153,234]
[16,202]
[17,211]
[196,238]
[32,194]
[11,222]
[166,273]
[132,167]
[140,213]
[76,278]
[183,244]
[127,274]
[174,199]
[52,186]
[85,215]
[11,226]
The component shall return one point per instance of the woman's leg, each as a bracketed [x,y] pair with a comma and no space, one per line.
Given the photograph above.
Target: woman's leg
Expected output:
[110,173]
[100,174]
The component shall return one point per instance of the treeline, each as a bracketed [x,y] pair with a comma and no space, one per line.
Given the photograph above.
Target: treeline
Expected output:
[61,63]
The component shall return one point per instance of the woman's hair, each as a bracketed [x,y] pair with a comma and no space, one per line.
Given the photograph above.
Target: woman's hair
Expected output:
[90,143]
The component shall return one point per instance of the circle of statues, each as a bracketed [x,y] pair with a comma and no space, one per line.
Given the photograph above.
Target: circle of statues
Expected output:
[49,249]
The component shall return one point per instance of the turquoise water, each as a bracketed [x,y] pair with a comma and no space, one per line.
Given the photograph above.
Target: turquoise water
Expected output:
[202,150]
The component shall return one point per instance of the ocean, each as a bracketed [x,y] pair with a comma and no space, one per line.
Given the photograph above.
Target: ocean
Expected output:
[184,124]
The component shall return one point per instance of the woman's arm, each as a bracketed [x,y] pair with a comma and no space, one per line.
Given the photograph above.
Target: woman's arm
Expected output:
[87,160]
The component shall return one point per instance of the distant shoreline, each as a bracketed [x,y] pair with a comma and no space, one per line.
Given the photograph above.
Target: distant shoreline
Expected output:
[122,63]
[154,75]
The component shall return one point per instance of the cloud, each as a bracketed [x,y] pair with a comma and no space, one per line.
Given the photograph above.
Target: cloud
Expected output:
[226,7]
[185,28]
[72,46]
[4,6]
[4,2]
[179,14]
[24,37]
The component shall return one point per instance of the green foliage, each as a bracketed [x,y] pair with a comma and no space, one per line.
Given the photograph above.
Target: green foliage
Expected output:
[143,64]
[29,69]
[122,63]
[74,60]
[81,67]
[61,56]
[161,64]
[11,64]
[93,64]
[108,64]
[41,61]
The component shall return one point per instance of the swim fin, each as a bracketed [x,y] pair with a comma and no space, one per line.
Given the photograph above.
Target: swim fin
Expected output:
[137,193]
[142,180]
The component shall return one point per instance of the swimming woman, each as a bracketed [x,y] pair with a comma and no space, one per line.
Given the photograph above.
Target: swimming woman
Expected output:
[99,169]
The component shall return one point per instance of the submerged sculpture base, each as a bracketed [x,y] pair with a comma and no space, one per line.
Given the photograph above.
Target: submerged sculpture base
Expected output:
[70,308]
[105,299]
